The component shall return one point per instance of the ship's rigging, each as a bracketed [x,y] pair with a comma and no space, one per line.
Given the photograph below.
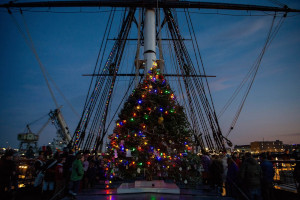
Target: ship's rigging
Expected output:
[92,128]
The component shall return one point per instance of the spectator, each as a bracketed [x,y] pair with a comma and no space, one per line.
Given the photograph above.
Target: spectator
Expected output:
[76,175]
[29,153]
[85,168]
[205,163]
[59,176]
[39,163]
[267,177]
[67,168]
[91,174]
[235,158]
[49,178]
[232,178]
[223,158]
[7,171]
[215,173]
[250,175]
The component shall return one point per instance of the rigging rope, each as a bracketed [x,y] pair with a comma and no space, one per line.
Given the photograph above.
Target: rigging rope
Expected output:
[30,43]
[194,87]
[45,73]
[271,35]
[100,50]
[189,20]
[103,88]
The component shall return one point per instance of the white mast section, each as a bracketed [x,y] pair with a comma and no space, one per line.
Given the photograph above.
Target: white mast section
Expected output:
[149,39]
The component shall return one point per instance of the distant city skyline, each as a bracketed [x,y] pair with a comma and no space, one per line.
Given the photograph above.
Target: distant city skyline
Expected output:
[68,44]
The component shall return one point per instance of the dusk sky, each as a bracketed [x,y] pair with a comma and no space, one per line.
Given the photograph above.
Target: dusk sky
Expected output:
[68,44]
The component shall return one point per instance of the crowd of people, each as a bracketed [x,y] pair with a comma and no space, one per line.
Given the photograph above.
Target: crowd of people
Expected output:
[66,172]
[243,177]
[55,175]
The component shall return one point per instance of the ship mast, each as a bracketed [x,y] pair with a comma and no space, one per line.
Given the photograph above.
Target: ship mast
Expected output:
[150,39]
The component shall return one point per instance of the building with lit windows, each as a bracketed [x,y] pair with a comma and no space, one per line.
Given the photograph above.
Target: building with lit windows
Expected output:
[267,146]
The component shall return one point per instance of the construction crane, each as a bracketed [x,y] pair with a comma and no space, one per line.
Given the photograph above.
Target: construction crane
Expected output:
[61,126]
[30,139]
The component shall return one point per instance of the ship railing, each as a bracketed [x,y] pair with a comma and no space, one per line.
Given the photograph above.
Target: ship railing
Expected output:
[284,175]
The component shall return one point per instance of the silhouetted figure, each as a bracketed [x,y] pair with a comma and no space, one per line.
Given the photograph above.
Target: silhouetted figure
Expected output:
[29,153]
[59,176]
[76,175]
[67,168]
[206,161]
[7,171]
[236,159]
[250,175]
[232,178]
[39,164]
[216,171]
[91,174]
[49,178]
[268,173]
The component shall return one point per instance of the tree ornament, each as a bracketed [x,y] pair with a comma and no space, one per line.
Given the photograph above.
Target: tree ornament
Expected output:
[116,153]
[128,153]
[180,168]
[160,120]
[185,181]
[138,170]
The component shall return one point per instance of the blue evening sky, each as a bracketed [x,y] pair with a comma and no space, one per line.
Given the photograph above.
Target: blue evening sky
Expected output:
[68,44]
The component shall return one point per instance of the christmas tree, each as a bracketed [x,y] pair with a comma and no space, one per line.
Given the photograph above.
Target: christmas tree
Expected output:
[152,137]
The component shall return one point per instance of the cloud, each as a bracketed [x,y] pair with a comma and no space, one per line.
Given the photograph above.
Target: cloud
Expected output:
[290,134]
[244,32]
[245,28]
[220,84]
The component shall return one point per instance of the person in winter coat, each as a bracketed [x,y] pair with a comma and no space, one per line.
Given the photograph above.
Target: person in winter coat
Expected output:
[268,173]
[77,174]
[232,178]
[250,175]
[216,171]
[206,161]
[39,164]
[59,176]
[67,168]
[91,174]
[49,178]
[236,159]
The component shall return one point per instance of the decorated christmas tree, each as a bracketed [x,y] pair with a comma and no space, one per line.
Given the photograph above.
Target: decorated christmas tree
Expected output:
[152,137]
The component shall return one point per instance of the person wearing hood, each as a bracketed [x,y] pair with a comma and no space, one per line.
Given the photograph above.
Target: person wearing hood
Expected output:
[77,174]
[250,175]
